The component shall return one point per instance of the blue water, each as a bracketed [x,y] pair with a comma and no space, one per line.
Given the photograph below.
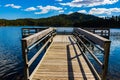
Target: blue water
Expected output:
[10,52]
[11,62]
[114,59]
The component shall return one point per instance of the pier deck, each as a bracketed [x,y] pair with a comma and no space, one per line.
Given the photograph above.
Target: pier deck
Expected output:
[63,61]
[65,58]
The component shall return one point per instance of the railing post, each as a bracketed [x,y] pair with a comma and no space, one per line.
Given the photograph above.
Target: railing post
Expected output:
[25,58]
[106,60]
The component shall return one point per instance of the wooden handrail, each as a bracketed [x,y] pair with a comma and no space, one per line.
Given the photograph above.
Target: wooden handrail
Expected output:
[37,53]
[93,37]
[30,42]
[36,43]
[92,54]
[35,37]
[96,40]
[29,31]
[47,35]
[90,64]
[104,32]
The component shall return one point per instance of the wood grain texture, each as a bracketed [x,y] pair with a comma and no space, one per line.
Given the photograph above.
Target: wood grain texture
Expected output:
[63,61]
[35,37]
[93,37]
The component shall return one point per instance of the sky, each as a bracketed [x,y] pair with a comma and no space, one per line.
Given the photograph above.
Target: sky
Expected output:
[15,9]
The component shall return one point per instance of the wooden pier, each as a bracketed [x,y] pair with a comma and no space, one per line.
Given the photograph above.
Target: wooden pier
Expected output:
[104,32]
[65,58]
[29,31]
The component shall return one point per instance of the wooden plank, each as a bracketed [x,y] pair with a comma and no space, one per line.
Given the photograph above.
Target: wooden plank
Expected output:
[106,60]
[93,37]
[25,58]
[38,53]
[92,54]
[35,37]
[103,42]
[63,61]
[38,65]
[29,31]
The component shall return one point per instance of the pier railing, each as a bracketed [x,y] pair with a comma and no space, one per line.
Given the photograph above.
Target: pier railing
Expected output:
[30,42]
[95,40]
[30,31]
[104,32]
[81,35]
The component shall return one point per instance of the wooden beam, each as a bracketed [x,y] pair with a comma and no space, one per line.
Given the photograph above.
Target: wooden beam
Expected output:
[35,37]
[25,58]
[93,37]
[106,60]
[103,42]
[38,53]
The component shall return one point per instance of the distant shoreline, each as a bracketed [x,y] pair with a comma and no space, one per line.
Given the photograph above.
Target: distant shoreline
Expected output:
[74,19]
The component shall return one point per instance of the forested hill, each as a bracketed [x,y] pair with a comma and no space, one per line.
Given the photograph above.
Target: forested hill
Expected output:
[74,19]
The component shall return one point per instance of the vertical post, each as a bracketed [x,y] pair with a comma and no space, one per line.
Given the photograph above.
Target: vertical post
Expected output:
[101,33]
[106,60]
[25,57]
[92,47]
[94,31]
[52,34]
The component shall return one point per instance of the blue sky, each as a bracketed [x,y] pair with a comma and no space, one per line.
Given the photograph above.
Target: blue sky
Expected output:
[14,9]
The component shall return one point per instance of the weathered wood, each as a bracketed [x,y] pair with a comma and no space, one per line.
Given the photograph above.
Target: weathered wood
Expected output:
[25,58]
[93,37]
[92,54]
[106,59]
[38,53]
[35,37]
[34,71]
[29,31]
[36,43]
[63,60]
[32,41]
[90,65]
[104,32]
[96,40]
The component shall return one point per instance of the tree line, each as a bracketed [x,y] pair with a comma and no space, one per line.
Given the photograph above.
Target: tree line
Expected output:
[71,20]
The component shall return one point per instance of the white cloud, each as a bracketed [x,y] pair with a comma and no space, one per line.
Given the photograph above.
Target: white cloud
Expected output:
[88,3]
[70,12]
[82,11]
[101,16]
[48,8]
[42,12]
[61,11]
[59,0]
[108,11]
[30,9]
[13,6]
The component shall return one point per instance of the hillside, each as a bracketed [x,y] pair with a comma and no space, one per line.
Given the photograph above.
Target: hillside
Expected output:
[74,19]
[66,20]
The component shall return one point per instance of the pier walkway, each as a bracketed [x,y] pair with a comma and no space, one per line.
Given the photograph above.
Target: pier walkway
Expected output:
[65,58]
[63,61]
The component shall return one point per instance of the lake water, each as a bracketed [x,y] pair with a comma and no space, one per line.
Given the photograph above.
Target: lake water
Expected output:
[11,62]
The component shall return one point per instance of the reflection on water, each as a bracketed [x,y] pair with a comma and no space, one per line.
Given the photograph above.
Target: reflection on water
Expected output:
[114,59]
[10,52]
[11,63]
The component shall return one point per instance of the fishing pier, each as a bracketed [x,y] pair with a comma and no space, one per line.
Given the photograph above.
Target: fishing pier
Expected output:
[64,54]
